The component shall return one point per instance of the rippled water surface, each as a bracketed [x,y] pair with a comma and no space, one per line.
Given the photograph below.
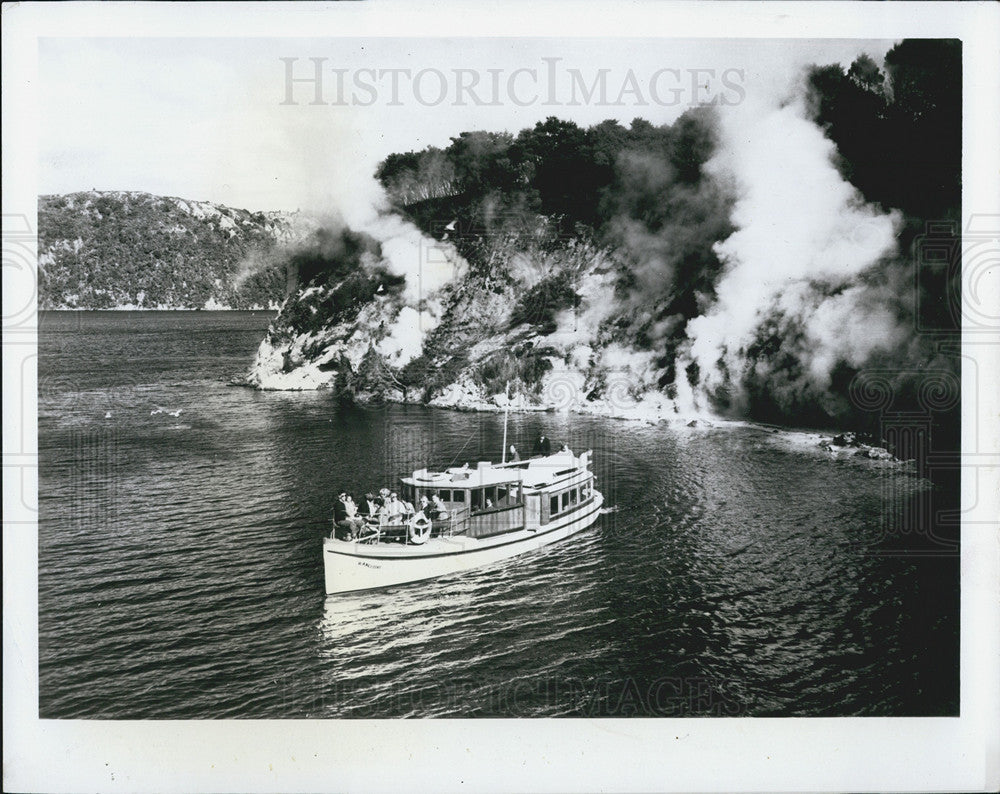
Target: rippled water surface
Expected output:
[743,571]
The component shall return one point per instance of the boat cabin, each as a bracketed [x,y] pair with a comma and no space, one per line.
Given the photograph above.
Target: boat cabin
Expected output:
[491,499]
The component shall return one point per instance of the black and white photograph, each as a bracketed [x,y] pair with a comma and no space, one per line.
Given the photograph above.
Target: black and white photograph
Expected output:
[604,398]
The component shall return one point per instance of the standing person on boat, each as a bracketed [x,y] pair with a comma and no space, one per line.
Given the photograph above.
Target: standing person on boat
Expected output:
[543,446]
[513,453]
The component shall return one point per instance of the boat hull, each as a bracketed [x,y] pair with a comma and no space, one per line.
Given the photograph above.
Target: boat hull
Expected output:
[350,566]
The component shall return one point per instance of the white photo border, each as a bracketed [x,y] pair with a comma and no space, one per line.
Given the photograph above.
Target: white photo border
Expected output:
[739,754]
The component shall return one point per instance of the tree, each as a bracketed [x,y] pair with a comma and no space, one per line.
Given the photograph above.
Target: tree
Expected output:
[865,74]
[481,162]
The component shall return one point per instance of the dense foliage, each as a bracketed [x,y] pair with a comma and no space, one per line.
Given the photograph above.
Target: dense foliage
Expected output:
[521,368]
[102,250]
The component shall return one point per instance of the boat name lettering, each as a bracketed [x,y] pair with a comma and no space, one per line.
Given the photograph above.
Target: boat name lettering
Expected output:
[368,564]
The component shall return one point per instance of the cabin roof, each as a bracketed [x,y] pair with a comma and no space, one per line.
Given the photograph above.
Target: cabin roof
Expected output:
[530,471]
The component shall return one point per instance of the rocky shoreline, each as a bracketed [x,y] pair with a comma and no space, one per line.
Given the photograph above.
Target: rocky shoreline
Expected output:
[843,444]
[465,396]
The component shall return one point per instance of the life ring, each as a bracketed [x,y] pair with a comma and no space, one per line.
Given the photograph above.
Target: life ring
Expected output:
[420,529]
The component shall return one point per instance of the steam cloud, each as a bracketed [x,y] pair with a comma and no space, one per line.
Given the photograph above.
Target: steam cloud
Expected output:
[803,243]
[424,266]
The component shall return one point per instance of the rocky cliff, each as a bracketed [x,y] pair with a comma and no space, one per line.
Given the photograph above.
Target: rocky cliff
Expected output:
[522,308]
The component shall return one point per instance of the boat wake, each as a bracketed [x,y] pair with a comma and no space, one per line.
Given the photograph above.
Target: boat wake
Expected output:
[605,510]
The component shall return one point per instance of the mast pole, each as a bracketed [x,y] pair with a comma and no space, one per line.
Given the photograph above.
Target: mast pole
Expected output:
[506,413]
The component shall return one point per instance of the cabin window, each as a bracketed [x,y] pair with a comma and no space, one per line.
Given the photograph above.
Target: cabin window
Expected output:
[565,499]
[445,495]
[477,499]
[501,496]
[491,494]
[513,494]
[573,497]
[553,505]
[459,497]
[585,491]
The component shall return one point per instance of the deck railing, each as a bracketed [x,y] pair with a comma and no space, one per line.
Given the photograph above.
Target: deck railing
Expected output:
[378,532]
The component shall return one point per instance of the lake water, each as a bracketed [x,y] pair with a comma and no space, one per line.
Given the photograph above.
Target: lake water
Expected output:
[743,572]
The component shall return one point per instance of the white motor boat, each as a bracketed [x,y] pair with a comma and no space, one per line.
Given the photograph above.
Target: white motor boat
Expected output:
[482,515]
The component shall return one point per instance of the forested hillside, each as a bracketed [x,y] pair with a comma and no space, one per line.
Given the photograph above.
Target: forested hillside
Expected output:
[100,250]
[757,261]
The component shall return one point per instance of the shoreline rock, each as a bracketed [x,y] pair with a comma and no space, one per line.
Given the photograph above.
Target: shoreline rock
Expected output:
[844,442]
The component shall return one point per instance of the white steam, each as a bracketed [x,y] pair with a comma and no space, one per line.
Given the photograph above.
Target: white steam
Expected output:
[803,233]
[428,265]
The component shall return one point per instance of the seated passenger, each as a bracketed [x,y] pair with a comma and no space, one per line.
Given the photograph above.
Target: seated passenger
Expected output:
[346,525]
[369,507]
[438,508]
[395,509]
[425,506]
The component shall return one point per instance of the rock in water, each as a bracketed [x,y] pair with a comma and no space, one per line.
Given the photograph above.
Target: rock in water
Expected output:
[875,453]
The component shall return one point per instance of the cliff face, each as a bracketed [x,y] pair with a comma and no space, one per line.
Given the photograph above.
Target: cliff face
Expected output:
[115,249]
[528,307]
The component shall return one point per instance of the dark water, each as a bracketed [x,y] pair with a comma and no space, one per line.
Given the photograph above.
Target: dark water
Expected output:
[180,571]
